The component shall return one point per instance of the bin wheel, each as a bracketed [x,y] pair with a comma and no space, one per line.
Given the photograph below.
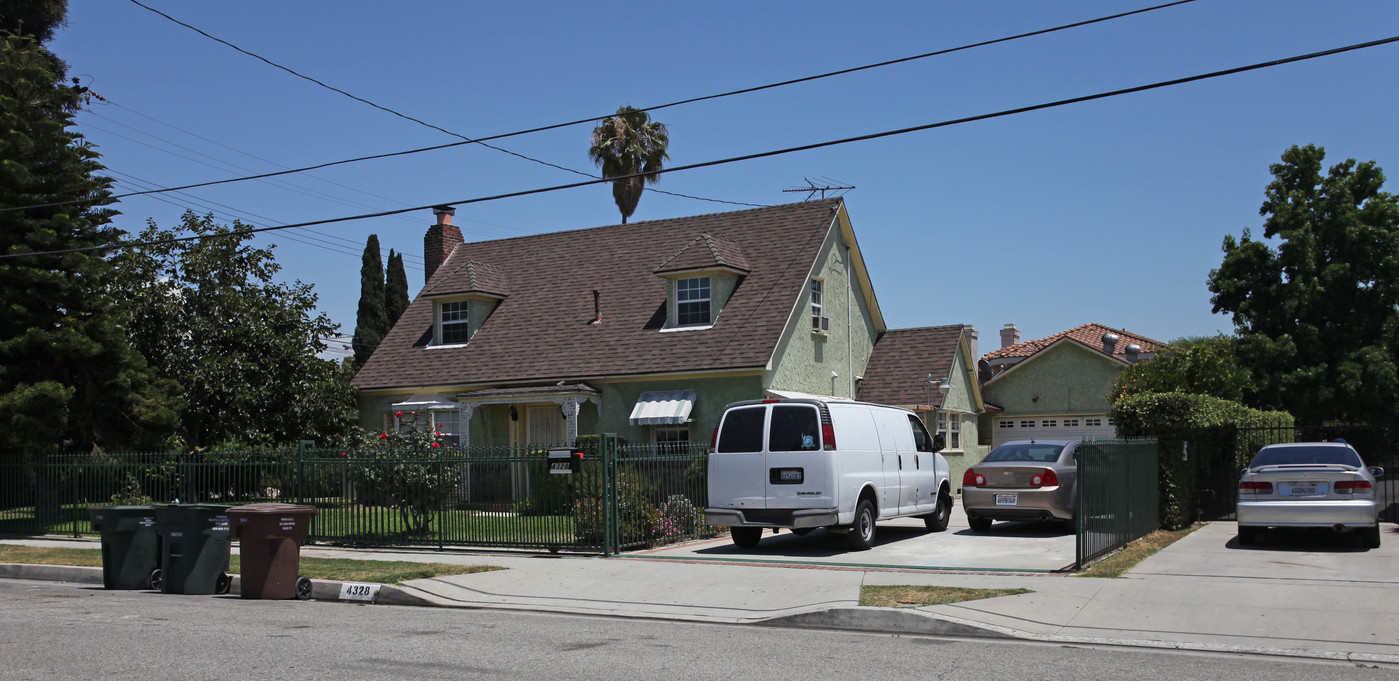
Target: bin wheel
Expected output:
[224,584]
[157,579]
[303,588]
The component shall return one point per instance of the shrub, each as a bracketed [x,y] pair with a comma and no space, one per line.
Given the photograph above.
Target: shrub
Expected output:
[637,515]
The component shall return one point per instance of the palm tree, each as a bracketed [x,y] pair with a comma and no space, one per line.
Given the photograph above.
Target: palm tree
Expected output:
[629,143]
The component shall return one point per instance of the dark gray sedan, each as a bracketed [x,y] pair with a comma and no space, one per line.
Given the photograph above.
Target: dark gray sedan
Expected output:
[1025,480]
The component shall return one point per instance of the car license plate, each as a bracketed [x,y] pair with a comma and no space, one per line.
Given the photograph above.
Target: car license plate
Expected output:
[1005,499]
[1301,489]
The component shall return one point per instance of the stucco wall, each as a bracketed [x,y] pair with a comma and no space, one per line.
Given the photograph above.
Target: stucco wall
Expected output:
[721,287]
[1066,379]
[803,361]
[711,396]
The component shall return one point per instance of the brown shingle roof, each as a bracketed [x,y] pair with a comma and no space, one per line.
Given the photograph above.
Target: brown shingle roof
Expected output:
[542,331]
[469,277]
[704,252]
[1090,335]
[898,369]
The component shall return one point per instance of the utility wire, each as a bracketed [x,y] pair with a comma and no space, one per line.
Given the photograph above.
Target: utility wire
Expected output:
[580,121]
[765,154]
[464,138]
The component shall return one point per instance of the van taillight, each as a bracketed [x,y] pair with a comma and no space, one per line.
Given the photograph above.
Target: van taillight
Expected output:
[1256,487]
[1351,486]
[828,436]
[973,479]
[1045,479]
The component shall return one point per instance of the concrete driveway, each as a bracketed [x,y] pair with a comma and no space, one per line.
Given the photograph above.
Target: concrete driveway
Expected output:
[1214,551]
[901,544]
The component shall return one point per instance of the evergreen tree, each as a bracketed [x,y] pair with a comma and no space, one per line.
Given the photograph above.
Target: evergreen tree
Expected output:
[629,143]
[371,323]
[69,380]
[395,289]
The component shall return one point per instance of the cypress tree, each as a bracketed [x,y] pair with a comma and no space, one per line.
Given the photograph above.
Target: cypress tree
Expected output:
[395,288]
[69,379]
[371,323]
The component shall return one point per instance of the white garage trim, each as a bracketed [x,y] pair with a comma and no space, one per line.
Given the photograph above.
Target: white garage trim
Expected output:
[1051,427]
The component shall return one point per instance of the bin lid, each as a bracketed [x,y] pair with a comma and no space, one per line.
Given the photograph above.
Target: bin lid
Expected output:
[273,509]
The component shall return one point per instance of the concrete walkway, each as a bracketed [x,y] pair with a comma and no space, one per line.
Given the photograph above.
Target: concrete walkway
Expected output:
[1307,596]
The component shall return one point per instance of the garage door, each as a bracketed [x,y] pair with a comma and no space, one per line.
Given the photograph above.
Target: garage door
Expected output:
[1095,426]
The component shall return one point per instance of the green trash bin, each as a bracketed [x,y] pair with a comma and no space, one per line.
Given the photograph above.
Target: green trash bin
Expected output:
[130,545]
[194,548]
[269,549]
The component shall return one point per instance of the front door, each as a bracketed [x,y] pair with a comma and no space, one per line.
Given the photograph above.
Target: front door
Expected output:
[545,426]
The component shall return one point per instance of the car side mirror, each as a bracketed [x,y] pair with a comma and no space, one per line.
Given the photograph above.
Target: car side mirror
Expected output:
[1377,471]
[940,443]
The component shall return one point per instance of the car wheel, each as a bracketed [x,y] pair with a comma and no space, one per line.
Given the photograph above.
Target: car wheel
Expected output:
[979,524]
[861,535]
[1372,536]
[746,537]
[1248,536]
[937,520]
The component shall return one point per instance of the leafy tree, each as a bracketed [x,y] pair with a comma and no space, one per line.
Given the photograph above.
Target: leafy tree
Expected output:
[208,314]
[68,377]
[629,143]
[1318,315]
[395,289]
[1202,366]
[371,322]
[35,18]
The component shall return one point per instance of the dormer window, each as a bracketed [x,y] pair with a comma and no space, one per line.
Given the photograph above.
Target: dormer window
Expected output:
[452,321]
[692,301]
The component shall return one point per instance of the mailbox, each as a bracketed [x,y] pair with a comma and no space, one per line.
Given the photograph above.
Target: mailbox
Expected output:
[565,461]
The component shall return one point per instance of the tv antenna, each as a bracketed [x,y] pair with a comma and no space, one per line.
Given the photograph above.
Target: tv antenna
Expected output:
[827,185]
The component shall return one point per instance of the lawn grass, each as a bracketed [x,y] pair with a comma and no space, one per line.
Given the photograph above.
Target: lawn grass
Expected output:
[336,569]
[915,596]
[1116,564]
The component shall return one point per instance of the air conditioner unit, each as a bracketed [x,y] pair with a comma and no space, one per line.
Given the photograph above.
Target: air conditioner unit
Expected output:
[820,323]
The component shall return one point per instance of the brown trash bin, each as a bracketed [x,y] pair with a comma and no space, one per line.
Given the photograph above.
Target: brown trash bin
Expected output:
[269,547]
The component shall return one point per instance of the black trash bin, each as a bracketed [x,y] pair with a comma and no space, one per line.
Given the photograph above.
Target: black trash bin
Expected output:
[130,545]
[269,549]
[194,548]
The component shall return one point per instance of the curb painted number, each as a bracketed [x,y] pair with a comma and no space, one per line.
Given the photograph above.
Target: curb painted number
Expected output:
[359,592]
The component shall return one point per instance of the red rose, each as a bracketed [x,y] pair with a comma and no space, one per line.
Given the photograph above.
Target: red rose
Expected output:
[383,436]
[342,453]
[398,414]
[435,445]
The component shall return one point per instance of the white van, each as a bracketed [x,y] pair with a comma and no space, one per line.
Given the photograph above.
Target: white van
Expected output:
[808,463]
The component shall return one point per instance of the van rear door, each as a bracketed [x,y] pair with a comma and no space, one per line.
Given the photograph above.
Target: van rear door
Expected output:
[736,470]
[798,471]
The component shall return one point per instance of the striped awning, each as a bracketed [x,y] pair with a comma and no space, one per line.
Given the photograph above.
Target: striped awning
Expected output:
[663,407]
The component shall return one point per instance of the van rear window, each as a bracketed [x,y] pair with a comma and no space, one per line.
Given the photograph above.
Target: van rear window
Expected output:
[794,429]
[742,431]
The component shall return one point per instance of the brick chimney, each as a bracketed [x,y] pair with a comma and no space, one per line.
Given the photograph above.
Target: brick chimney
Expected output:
[1009,335]
[441,238]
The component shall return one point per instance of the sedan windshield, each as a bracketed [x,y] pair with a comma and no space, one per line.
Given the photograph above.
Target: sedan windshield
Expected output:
[1025,451]
[1284,456]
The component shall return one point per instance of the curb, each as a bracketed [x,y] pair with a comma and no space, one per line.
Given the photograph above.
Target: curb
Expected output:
[884,620]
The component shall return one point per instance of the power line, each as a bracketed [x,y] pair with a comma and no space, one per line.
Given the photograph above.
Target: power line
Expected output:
[776,152]
[555,126]
[419,121]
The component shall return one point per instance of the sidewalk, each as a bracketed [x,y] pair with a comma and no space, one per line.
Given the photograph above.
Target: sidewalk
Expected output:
[1202,593]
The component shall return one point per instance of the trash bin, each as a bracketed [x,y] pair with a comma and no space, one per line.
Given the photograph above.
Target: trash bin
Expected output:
[130,545]
[194,548]
[269,549]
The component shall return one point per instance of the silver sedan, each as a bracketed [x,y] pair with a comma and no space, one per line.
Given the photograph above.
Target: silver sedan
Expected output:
[1024,480]
[1309,485]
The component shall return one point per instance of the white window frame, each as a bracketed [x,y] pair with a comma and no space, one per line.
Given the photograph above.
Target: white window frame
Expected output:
[818,299]
[460,317]
[695,284]
[949,423]
[658,431]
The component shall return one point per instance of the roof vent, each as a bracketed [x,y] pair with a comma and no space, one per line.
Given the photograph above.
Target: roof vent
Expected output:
[1109,342]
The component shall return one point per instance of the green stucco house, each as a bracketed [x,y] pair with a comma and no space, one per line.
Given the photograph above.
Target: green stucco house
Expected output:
[646,329]
[1055,388]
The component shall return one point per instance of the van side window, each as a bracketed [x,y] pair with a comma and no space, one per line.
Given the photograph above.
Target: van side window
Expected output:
[921,441]
[742,431]
[794,429]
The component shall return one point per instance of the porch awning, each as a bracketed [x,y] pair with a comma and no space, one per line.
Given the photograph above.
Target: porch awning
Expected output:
[662,407]
[424,401]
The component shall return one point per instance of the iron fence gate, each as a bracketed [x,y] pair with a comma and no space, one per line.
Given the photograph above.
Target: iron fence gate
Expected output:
[617,496]
[1117,495]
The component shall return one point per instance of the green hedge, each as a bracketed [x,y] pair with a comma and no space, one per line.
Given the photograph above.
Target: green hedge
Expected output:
[1185,425]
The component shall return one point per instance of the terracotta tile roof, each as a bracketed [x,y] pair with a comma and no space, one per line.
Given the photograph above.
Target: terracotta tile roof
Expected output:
[542,330]
[704,252]
[898,369]
[1090,335]
[469,277]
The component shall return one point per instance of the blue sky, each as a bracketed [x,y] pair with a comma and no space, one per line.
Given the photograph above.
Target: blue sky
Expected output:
[1110,211]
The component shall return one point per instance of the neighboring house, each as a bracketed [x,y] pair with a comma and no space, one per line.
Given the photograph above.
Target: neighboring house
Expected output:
[1056,387]
[932,371]
[646,329]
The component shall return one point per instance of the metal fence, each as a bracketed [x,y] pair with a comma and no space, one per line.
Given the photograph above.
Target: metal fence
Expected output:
[1117,495]
[617,496]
